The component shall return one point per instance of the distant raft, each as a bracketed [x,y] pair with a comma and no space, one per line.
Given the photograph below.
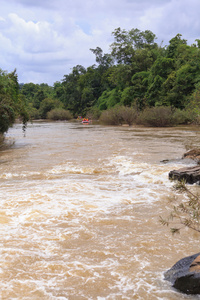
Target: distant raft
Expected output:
[86,121]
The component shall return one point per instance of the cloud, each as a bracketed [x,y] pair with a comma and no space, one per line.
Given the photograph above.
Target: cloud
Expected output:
[177,16]
[45,39]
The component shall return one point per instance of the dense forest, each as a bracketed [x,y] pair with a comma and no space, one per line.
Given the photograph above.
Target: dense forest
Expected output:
[137,74]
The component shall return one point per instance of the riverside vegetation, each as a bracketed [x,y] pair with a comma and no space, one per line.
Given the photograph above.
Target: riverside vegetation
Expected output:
[138,82]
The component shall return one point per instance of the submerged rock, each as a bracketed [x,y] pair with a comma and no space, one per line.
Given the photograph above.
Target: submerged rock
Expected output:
[185,275]
[189,174]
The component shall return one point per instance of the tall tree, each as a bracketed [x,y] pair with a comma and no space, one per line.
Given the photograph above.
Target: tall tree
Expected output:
[12,106]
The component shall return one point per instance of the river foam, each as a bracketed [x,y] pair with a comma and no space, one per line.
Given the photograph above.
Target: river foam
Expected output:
[83,224]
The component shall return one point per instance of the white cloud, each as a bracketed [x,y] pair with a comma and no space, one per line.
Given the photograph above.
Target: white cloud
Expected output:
[45,39]
[176,16]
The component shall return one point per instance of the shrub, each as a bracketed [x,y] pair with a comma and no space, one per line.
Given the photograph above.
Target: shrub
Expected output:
[119,115]
[59,114]
[111,116]
[183,117]
[161,116]
[128,114]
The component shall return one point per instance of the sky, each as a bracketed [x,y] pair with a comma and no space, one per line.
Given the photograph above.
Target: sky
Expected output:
[45,39]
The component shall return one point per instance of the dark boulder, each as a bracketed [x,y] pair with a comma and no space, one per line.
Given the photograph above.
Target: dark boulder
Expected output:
[185,275]
[189,174]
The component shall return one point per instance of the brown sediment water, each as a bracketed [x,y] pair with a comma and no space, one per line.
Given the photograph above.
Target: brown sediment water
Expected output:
[79,212]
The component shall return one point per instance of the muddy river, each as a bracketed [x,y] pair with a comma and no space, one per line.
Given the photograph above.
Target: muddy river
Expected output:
[80,207]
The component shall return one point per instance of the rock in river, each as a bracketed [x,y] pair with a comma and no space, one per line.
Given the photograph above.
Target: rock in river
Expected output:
[193,154]
[185,275]
[189,174]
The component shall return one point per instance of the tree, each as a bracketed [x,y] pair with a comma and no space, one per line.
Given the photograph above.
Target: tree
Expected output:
[104,60]
[136,72]
[47,105]
[127,42]
[174,43]
[109,99]
[120,76]
[12,106]
[72,93]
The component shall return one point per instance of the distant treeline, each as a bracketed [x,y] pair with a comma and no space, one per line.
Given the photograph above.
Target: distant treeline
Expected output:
[137,73]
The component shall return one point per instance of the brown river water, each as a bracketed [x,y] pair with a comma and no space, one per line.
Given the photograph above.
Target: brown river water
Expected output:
[79,212]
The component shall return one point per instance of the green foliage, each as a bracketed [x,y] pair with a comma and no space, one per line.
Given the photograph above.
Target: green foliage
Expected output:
[94,113]
[127,42]
[183,117]
[109,99]
[174,43]
[194,104]
[47,105]
[154,91]
[12,106]
[136,73]
[127,96]
[120,76]
[144,74]
[33,112]
[104,60]
[7,117]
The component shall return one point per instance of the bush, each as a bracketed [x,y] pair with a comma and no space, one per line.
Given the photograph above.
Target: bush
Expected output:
[111,117]
[128,115]
[119,115]
[161,116]
[183,117]
[59,114]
